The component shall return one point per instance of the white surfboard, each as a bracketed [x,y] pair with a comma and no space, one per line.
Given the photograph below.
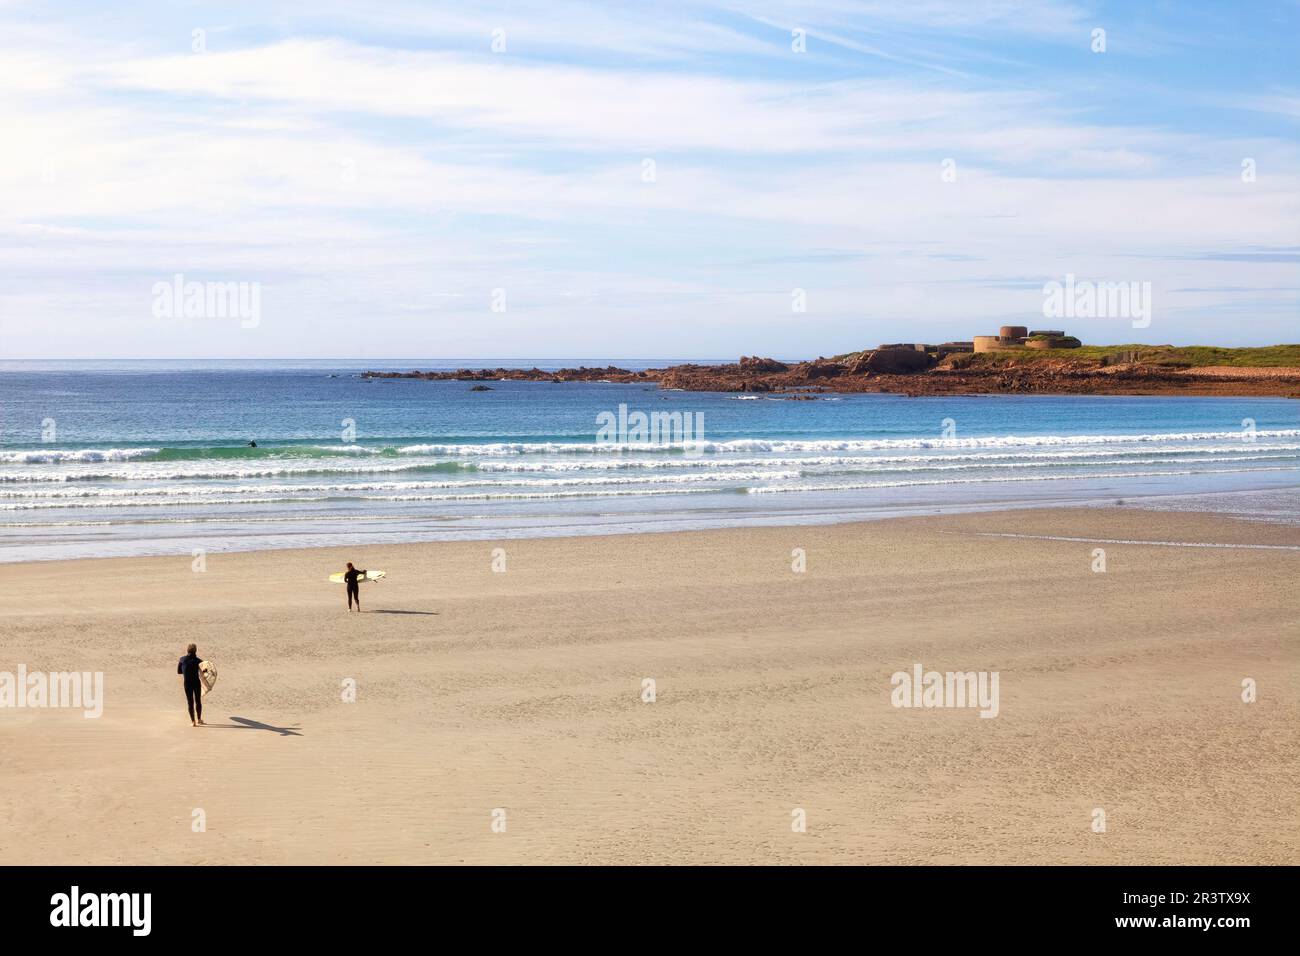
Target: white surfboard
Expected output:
[208,676]
[337,576]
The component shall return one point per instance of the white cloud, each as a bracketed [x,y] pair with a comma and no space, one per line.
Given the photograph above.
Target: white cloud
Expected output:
[354,179]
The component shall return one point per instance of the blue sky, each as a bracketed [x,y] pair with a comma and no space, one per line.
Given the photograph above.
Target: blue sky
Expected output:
[380,171]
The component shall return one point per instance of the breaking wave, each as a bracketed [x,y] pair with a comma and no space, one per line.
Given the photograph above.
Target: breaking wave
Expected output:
[499,449]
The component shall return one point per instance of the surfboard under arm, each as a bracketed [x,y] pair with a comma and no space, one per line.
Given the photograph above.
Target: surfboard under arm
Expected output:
[337,576]
[207,675]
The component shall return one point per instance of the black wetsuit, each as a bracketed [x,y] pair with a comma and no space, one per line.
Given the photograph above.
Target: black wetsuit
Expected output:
[189,667]
[350,579]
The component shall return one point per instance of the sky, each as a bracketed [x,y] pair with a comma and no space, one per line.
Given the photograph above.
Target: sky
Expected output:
[687,179]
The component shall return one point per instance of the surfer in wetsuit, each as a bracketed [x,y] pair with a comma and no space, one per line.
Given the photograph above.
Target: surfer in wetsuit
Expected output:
[350,578]
[188,668]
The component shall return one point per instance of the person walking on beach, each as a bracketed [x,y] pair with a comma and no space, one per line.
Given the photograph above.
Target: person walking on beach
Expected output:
[188,668]
[350,578]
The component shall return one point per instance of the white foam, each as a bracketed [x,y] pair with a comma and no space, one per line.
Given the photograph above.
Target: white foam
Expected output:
[53,455]
[860,486]
[82,495]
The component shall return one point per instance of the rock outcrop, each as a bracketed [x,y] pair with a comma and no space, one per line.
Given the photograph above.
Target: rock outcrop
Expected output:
[752,363]
[895,361]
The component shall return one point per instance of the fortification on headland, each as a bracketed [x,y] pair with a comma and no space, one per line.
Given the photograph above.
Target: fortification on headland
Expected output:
[1012,337]
[1009,338]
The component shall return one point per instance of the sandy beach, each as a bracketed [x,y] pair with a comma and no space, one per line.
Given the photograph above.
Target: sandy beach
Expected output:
[479,690]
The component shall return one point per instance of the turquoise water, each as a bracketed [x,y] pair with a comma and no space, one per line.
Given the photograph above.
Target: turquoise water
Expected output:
[153,458]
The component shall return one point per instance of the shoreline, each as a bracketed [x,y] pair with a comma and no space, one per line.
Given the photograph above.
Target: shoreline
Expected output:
[1001,511]
[522,689]
[655,523]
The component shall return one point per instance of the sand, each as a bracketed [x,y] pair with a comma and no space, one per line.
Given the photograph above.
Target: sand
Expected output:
[522,691]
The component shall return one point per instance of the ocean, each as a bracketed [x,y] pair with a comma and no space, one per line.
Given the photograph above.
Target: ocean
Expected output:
[136,458]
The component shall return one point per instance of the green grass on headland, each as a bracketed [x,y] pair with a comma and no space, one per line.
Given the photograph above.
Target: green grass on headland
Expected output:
[1182,356]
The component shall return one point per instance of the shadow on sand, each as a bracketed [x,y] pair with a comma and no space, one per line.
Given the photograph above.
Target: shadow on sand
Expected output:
[381,610]
[243,723]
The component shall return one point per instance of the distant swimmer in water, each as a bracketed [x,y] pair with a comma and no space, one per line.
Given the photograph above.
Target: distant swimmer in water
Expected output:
[350,577]
[188,668]
[252,444]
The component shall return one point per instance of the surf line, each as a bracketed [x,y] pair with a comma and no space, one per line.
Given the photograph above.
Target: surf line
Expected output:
[1163,544]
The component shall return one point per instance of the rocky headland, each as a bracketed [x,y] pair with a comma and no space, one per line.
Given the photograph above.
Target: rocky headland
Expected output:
[1091,370]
